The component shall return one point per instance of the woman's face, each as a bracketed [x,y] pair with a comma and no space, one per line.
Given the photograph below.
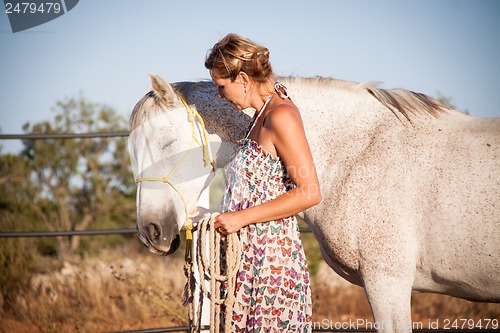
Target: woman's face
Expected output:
[232,91]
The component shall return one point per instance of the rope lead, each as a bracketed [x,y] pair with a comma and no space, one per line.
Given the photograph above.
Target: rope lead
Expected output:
[221,273]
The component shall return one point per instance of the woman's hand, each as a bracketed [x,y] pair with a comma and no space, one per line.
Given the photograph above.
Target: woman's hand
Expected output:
[230,222]
[225,223]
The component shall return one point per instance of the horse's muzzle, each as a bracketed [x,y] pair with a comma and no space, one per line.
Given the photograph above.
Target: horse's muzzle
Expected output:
[157,241]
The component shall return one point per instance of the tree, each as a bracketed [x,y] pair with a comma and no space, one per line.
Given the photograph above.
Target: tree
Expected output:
[86,182]
[448,102]
[16,255]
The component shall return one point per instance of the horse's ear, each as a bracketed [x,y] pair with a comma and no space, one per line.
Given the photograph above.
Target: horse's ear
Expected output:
[162,89]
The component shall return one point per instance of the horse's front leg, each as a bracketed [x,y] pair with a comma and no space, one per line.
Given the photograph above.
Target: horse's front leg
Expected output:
[387,267]
[390,301]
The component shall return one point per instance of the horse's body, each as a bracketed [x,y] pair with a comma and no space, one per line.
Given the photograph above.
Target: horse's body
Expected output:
[410,189]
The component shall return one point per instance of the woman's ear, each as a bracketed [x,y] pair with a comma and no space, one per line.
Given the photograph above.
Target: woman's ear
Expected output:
[243,77]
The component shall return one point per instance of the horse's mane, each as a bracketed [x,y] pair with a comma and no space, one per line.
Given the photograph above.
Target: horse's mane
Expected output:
[405,102]
[401,102]
[186,87]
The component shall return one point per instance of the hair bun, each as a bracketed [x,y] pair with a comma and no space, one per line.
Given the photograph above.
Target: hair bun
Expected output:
[233,54]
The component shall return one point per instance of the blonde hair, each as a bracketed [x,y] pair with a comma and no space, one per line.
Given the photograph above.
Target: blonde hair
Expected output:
[233,54]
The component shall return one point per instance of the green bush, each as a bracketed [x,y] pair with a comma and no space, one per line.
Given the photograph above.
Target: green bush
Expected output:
[16,262]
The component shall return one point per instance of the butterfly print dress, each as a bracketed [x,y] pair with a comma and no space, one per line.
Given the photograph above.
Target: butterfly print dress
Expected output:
[273,289]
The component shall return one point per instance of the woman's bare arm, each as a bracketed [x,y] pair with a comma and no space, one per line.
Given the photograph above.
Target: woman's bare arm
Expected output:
[285,132]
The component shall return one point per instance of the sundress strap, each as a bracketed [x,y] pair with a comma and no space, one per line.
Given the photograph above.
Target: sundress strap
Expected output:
[281,90]
[257,116]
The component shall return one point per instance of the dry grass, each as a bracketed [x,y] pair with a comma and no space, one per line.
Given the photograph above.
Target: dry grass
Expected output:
[129,288]
[337,301]
[122,289]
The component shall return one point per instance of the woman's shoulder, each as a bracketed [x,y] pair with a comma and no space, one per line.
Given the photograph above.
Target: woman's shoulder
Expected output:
[283,114]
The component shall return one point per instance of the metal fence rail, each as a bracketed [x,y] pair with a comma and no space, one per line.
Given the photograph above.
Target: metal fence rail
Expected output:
[42,136]
[18,234]
[95,232]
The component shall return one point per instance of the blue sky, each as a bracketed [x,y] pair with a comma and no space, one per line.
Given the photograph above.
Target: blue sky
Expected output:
[105,48]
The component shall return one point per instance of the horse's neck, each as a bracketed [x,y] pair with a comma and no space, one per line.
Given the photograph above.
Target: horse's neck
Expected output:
[220,117]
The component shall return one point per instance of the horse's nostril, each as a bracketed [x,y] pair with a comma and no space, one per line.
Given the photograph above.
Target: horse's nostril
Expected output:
[154,231]
[174,245]
[176,242]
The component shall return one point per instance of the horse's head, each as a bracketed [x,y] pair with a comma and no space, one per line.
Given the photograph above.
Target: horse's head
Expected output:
[169,150]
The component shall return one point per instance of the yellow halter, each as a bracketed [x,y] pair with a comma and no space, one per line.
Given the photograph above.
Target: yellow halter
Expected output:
[207,159]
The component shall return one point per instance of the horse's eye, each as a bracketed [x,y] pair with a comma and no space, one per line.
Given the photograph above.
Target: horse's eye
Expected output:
[168,144]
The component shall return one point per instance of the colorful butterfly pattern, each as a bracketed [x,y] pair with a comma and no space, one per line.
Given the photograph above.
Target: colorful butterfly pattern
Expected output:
[273,290]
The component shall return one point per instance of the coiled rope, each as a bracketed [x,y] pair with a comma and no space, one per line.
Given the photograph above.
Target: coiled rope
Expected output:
[220,268]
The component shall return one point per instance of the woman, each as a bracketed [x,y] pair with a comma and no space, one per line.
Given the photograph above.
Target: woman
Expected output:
[270,178]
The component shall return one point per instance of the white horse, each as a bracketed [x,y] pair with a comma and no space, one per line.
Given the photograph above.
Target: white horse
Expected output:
[410,189]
